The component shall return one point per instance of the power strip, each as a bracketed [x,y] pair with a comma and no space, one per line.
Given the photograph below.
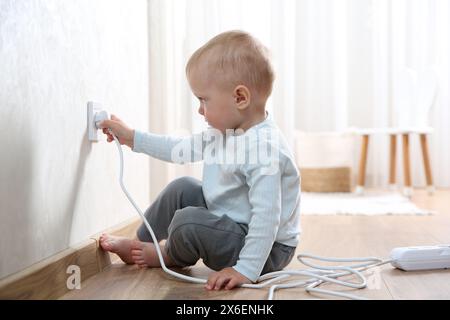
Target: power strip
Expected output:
[421,258]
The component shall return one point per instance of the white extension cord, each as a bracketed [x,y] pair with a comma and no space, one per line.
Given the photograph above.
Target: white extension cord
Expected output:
[316,276]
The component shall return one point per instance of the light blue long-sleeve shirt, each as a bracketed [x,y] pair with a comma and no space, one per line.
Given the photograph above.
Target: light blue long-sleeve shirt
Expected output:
[251,177]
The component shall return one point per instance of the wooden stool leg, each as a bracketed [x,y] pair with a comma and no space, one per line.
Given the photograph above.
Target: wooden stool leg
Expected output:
[362,164]
[426,163]
[406,165]
[393,161]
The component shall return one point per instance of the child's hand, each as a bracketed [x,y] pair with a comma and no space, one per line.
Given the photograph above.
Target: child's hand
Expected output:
[120,130]
[227,277]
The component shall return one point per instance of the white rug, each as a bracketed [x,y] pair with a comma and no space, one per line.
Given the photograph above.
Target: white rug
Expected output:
[370,204]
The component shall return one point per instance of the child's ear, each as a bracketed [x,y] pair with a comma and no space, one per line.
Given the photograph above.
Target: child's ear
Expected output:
[242,97]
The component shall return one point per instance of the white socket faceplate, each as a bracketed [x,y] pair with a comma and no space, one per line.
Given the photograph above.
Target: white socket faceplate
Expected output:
[92,109]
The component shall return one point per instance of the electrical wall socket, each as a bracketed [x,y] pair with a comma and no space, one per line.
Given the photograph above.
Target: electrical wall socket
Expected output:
[92,109]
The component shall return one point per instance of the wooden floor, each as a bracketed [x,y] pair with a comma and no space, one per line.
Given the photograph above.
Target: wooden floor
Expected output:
[338,236]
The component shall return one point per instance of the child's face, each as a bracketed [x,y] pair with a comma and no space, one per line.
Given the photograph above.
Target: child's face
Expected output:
[217,106]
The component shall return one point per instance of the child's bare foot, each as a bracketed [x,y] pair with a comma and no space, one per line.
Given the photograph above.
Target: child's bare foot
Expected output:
[118,245]
[144,255]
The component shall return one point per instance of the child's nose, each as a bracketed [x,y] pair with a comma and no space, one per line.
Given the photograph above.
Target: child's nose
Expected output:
[200,110]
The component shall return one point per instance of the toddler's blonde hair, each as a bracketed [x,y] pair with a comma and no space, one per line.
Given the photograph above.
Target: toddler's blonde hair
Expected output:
[233,58]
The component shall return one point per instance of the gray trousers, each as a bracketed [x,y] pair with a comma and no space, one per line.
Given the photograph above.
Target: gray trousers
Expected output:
[180,215]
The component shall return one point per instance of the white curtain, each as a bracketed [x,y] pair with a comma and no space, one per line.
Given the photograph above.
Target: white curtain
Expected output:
[335,61]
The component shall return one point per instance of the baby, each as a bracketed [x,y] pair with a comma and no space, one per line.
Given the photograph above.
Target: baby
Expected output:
[242,219]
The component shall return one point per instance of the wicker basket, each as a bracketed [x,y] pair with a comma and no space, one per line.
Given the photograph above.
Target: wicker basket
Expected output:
[326,179]
[325,160]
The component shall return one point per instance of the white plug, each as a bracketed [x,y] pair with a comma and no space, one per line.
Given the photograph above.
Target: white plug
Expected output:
[95,115]
[99,117]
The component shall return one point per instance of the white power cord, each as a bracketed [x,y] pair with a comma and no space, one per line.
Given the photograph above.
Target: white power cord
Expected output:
[317,275]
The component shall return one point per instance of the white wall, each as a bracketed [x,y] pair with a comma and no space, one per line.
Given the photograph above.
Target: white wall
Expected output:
[56,188]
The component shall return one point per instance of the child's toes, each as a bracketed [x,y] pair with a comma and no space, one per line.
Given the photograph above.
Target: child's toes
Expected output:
[105,245]
[136,252]
[103,239]
[136,256]
[141,264]
[136,245]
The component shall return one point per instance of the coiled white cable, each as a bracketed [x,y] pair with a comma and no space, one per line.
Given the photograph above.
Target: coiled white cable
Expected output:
[318,274]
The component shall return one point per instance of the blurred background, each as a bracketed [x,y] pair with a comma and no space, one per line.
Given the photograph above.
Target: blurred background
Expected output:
[339,65]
